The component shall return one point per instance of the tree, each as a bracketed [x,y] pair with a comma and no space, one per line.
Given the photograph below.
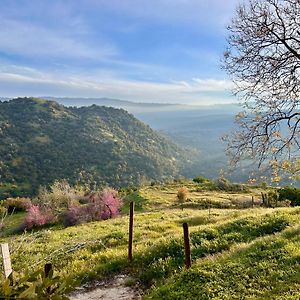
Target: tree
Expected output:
[263,60]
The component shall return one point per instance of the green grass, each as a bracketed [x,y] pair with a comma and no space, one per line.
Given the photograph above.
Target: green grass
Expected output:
[267,268]
[11,223]
[222,241]
[164,196]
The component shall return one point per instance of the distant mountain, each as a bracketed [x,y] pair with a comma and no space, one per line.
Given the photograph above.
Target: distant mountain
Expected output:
[42,141]
[130,106]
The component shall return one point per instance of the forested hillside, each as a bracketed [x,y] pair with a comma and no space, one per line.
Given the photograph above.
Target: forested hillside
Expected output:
[42,141]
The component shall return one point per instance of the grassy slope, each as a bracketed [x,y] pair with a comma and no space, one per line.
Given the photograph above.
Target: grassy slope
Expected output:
[227,248]
[267,268]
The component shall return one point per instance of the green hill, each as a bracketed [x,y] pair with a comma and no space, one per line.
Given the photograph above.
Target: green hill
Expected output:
[42,141]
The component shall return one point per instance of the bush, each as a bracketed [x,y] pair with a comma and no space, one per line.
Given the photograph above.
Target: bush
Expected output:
[37,217]
[36,286]
[138,200]
[60,197]
[273,200]
[182,195]
[128,190]
[289,193]
[111,203]
[105,204]
[76,214]
[224,184]
[101,206]
[17,204]
[200,179]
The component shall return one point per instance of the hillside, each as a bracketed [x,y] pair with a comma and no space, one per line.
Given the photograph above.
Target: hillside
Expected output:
[193,127]
[42,141]
[196,128]
[239,250]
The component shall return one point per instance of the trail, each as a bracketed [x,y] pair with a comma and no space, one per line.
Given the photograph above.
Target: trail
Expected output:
[111,289]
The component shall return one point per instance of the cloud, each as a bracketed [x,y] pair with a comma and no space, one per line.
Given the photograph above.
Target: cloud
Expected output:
[197,91]
[29,40]
[213,85]
[158,50]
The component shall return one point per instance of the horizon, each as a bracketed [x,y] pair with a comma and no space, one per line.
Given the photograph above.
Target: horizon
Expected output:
[56,99]
[128,50]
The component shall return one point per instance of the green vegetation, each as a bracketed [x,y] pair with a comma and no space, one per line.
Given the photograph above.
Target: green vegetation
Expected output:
[267,268]
[37,285]
[289,193]
[42,141]
[237,252]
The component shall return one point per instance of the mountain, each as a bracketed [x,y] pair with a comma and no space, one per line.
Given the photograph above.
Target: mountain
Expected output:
[42,141]
[133,107]
[198,129]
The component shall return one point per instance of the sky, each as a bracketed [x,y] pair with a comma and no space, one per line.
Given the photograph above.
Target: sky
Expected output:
[140,50]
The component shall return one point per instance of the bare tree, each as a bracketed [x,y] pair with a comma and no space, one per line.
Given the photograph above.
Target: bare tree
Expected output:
[263,60]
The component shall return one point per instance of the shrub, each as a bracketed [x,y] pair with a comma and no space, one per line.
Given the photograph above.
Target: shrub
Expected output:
[182,195]
[36,217]
[105,204]
[17,204]
[36,286]
[76,214]
[111,203]
[60,197]
[200,179]
[289,193]
[135,197]
[101,206]
[128,190]
[224,184]
[273,200]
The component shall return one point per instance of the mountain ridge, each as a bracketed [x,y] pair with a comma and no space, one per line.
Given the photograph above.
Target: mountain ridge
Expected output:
[43,141]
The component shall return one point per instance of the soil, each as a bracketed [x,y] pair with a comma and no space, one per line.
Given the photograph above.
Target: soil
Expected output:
[112,289]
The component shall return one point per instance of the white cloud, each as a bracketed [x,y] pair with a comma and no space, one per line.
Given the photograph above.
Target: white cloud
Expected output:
[213,85]
[197,91]
[24,39]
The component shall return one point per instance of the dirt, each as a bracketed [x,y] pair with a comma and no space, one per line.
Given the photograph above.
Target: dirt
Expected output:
[112,289]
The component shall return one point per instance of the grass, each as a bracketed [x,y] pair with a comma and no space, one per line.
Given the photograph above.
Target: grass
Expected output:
[267,268]
[11,222]
[163,196]
[222,241]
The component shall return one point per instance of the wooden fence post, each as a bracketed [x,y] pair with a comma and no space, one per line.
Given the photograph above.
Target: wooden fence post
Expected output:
[47,269]
[252,201]
[187,248]
[265,199]
[6,260]
[130,241]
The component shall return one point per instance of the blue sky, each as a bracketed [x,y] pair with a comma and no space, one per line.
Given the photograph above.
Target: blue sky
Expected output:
[139,50]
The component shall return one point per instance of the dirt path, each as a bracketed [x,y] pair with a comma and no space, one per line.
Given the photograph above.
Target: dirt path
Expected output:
[112,289]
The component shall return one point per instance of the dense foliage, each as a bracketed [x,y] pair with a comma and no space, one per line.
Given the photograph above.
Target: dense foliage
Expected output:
[42,141]
[289,193]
